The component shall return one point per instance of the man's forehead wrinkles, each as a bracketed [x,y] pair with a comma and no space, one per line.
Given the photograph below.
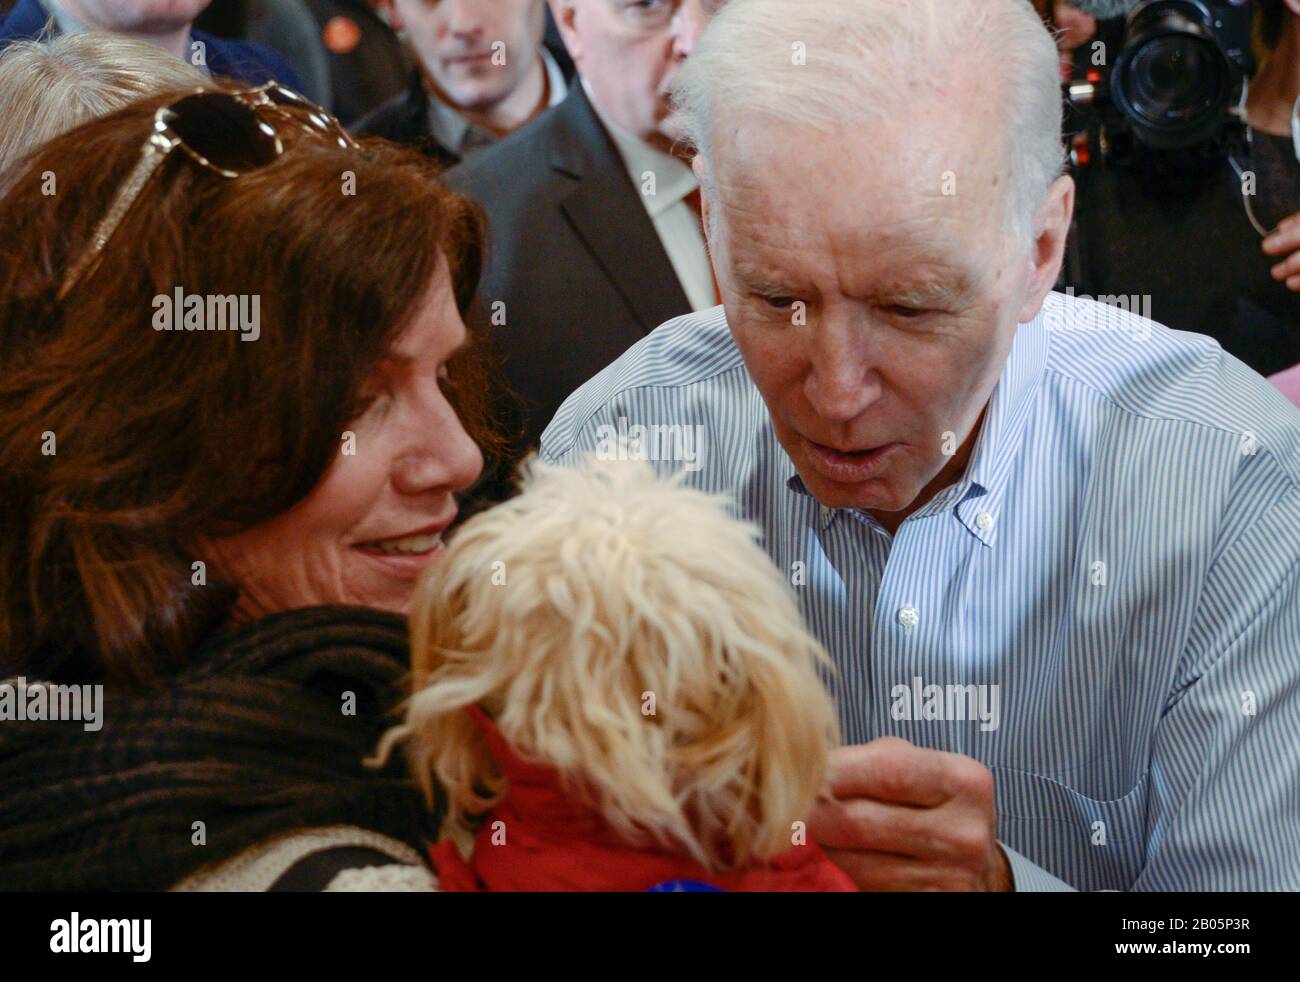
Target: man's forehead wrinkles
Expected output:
[746,192]
[873,233]
[758,229]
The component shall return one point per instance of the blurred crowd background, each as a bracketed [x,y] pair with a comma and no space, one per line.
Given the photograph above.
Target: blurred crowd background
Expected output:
[1190,222]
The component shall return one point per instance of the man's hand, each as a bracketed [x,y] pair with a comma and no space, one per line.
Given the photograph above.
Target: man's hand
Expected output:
[1285,241]
[906,818]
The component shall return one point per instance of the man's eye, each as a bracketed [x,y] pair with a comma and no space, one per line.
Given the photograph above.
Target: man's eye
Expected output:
[906,313]
[779,303]
[651,11]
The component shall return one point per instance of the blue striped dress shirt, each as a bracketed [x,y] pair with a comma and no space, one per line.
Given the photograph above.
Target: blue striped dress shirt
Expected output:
[1104,610]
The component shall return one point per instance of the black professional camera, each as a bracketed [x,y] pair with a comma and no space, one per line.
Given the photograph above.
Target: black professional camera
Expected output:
[1170,99]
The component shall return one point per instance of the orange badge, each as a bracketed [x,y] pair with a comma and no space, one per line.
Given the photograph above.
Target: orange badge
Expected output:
[341,35]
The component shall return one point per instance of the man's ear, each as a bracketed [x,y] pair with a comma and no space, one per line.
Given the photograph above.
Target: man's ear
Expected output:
[390,11]
[1047,251]
[697,165]
[565,13]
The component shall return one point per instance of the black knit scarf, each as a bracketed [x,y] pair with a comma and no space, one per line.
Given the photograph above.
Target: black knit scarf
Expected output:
[252,741]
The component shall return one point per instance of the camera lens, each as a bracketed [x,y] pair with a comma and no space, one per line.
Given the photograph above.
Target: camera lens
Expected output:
[1173,80]
[1177,81]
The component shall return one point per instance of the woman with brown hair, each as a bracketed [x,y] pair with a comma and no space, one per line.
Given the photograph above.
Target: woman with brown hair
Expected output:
[238,406]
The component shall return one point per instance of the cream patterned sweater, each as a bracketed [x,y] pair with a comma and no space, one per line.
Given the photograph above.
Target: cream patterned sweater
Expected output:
[260,867]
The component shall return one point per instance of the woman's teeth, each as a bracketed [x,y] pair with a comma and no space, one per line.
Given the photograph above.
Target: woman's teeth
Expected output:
[411,545]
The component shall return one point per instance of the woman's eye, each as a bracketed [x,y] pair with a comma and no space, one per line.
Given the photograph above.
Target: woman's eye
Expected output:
[375,401]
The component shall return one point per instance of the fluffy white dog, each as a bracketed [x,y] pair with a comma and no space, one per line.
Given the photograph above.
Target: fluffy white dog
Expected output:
[615,688]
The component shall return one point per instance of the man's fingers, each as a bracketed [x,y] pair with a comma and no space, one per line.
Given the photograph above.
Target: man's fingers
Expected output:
[949,835]
[884,871]
[901,817]
[1287,268]
[860,823]
[1283,241]
[890,769]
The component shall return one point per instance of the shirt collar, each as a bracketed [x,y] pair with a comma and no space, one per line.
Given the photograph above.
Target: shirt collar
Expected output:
[824,515]
[1011,405]
[447,125]
[674,180]
[556,84]
[459,135]
[976,499]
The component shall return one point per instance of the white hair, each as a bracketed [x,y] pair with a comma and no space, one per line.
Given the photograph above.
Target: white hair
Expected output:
[832,64]
[48,87]
[614,587]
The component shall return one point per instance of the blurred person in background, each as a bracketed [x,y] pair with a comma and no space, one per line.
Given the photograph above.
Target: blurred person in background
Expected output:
[483,73]
[221,526]
[594,209]
[165,23]
[1073,28]
[48,87]
[368,63]
[1208,253]
[285,26]
[1274,108]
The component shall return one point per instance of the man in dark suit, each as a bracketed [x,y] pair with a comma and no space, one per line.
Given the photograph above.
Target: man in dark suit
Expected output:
[368,64]
[169,27]
[483,72]
[594,221]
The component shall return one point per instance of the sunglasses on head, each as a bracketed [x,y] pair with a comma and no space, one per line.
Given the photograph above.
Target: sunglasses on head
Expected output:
[224,132]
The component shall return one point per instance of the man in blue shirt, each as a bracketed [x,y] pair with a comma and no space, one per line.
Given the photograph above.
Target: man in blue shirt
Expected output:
[166,24]
[1052,546]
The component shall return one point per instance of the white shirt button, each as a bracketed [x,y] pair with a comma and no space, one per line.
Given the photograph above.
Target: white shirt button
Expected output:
[908,617]
[984,521]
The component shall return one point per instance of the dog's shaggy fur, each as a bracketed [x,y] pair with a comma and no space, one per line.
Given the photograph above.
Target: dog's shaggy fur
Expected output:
[626,631]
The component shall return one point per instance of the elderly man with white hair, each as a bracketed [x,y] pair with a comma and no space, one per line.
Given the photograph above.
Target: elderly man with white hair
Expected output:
[1053,548]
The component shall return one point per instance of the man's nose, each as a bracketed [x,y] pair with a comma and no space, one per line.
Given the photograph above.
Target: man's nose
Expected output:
[842,383]
[462,16]
[688,24]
